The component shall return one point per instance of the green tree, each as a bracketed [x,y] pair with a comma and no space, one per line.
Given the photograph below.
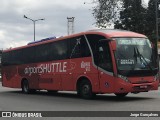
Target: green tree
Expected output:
[151,20]
[127,14]
[106,11]
[132,17]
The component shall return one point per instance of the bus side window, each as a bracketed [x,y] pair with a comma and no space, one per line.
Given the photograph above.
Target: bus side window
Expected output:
[78,48]
[85,48]
[74,46]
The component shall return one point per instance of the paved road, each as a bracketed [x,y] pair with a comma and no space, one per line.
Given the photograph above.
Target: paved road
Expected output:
[14,100]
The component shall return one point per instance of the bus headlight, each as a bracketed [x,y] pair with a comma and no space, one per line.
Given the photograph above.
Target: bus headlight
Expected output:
[124,78]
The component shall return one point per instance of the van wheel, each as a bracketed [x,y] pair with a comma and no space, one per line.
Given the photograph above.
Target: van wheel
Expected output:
[121,94]
[25,87]
[85,90]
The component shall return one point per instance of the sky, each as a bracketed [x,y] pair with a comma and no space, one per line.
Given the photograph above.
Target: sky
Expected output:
[17,31]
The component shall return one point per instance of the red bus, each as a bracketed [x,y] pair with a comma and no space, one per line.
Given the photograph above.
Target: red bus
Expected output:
[92,62]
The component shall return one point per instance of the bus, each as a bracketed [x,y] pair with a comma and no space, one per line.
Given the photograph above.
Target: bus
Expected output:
[93,62]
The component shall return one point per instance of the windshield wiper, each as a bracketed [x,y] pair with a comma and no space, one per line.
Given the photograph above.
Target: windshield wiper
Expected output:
[143,59]
[135,63]
[135,56]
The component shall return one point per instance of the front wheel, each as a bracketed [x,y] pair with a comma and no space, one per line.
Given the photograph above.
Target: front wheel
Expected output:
[25,87]
[121,94]
[86,90]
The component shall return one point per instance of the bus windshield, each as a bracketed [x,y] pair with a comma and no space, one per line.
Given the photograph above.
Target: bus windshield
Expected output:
[135,56]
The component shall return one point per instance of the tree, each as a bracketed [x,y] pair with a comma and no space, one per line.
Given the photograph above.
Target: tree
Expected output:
[132,17]
[129,15]
[151,20]
[106,11]
[125,14]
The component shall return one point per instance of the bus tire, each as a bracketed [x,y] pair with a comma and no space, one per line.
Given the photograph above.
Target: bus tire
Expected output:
[85,90]
[25,87]
[121,95]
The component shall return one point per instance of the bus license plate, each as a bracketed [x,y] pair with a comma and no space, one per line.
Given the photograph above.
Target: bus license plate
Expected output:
[143,87]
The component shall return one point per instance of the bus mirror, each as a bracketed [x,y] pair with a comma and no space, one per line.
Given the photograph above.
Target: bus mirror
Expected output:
[113,44]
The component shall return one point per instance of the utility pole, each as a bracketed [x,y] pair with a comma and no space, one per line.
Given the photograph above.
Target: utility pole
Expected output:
[34,22]
[156,4]
[157,36]
[70,25]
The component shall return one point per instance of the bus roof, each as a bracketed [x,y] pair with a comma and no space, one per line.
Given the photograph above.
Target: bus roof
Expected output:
[116,33]
[109,33]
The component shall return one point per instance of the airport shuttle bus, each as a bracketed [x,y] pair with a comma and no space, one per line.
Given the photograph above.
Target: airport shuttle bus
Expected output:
[91,62]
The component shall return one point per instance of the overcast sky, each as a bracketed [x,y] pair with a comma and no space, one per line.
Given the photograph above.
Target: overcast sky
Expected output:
[16,31]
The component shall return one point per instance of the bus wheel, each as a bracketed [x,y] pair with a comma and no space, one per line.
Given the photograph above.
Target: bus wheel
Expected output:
[121,94]
[85,90]
[25,87]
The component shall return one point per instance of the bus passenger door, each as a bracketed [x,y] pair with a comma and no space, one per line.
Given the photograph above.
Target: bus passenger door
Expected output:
[105,67]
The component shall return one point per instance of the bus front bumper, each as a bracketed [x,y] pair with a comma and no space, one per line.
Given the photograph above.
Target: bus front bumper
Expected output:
[135,88]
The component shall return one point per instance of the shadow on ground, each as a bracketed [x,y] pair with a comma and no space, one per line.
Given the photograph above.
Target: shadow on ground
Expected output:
[70,95]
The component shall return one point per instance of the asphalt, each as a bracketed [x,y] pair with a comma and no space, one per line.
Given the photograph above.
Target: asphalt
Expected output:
[15,100]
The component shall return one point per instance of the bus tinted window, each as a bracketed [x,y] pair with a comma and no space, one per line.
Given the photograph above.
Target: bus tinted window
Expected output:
[51,51]
[58,50]
[78,47]
[93,41]
[70,48]
[27,55]
[11,58]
